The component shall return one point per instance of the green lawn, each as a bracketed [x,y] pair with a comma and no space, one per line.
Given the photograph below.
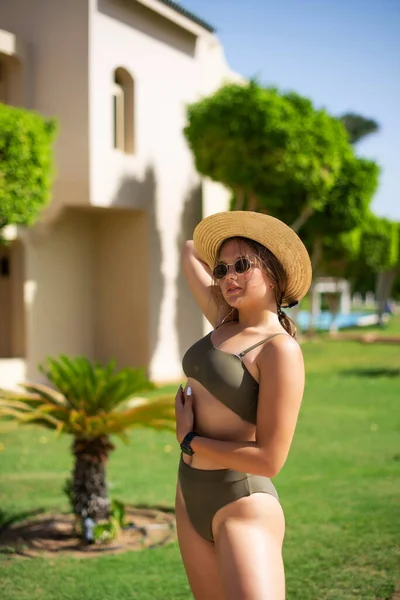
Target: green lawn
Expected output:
[340,490]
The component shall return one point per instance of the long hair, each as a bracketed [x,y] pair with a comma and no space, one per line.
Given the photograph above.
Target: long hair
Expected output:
[273,268]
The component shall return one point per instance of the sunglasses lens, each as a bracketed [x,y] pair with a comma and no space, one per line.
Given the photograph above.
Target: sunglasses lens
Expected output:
[220,271]
[242,265]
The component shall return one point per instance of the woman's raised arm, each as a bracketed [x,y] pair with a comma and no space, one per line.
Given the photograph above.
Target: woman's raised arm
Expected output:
[201,284]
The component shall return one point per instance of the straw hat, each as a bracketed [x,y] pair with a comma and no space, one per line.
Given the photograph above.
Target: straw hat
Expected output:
[272,233]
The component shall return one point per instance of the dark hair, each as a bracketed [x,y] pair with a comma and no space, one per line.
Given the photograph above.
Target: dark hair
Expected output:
[271,265]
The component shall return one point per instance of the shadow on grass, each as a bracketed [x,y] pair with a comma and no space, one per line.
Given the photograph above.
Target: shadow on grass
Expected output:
[161,507]
[10,518]
[39,532]
[372,373]
[20,533]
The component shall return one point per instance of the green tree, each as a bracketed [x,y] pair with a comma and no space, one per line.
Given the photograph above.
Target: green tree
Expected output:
[379,243]
[380,251]
[26,167]
[348,202]
[346,208]
[358,127]
[275,151]
[332,234]
[89,403]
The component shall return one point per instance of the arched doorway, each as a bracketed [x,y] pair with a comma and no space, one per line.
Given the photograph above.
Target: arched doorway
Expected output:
[11,80]
[12,309]
[5,303]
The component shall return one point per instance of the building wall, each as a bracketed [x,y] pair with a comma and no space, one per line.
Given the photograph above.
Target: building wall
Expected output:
[59,290]
[55,36]
[86,285]
[171,67]
[120,302]
[81,291]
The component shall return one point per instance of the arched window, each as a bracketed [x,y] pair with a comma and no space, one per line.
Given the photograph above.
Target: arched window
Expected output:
[123,111]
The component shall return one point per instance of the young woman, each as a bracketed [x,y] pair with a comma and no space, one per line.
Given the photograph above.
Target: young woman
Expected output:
[236,418]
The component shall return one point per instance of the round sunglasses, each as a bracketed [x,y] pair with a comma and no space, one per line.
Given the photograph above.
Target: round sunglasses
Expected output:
[241,266]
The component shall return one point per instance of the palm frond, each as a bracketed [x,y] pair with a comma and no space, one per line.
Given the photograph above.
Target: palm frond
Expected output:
[14,404]
[8,411]
[15,395]
[88,401]
[61,374]
[157,413]
[43,420]
[45,392]
[91,386]
[123,436]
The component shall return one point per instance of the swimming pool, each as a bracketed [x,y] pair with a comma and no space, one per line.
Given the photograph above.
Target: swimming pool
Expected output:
[324,320]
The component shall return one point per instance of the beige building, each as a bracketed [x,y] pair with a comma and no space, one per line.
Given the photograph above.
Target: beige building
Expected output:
[99,275]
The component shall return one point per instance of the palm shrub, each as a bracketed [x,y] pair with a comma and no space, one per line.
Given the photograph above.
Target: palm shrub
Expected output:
[89,402]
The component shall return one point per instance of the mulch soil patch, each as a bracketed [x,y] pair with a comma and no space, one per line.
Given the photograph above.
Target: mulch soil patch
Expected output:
[49,534]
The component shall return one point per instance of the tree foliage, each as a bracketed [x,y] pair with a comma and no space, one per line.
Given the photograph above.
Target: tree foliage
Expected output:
[87,400]
[275,151]
[26,164]
[379,243]
[358,127]
[377,255]
[90,402]
[280,155]
[335,227]
[349,199]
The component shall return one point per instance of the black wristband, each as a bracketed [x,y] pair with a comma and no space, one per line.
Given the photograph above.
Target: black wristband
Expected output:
[185,444]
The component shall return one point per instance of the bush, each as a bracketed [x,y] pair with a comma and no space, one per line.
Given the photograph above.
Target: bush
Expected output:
[26,155]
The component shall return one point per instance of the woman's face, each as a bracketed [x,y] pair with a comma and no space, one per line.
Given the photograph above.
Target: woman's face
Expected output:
[247,289]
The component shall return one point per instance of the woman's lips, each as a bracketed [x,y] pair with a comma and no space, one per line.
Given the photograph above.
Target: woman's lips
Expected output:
[232,289]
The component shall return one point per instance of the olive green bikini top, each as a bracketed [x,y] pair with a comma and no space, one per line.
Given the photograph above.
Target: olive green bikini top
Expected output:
[225,375]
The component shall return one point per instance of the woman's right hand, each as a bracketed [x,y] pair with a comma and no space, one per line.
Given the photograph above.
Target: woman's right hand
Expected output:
[184,414]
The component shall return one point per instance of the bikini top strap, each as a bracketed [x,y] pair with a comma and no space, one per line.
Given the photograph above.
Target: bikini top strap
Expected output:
[259,343]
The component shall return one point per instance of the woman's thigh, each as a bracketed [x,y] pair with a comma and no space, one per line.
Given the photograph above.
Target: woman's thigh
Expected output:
[248,536]
[198,555]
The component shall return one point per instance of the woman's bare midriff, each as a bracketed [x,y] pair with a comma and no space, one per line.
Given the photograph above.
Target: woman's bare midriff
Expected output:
[214,420]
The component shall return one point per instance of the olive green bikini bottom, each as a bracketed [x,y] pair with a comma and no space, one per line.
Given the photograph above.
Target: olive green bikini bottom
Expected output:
[205,492]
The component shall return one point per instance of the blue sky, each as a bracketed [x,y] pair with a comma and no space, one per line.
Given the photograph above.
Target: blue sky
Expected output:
[343,54]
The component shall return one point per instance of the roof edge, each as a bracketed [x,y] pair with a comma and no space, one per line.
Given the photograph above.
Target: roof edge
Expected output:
[189,15]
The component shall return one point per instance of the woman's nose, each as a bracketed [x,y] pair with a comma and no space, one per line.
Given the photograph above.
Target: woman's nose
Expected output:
[231,272]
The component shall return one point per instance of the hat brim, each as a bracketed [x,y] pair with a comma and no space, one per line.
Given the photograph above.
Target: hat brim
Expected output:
[272,233]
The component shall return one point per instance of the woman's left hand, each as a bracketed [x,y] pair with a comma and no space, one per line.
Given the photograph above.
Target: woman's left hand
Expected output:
[183,413]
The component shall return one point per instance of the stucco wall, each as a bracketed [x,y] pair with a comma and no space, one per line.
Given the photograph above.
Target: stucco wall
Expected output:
[171,68]
[86,285]
[80,291]
[120,303]
[59,290]
[55,36]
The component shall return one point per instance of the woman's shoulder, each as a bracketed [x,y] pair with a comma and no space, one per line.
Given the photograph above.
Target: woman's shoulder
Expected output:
[282,347]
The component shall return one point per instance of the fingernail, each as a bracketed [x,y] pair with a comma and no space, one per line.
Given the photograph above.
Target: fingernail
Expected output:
[189,391]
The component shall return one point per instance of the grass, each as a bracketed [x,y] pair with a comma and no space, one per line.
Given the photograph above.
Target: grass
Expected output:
[340,491]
